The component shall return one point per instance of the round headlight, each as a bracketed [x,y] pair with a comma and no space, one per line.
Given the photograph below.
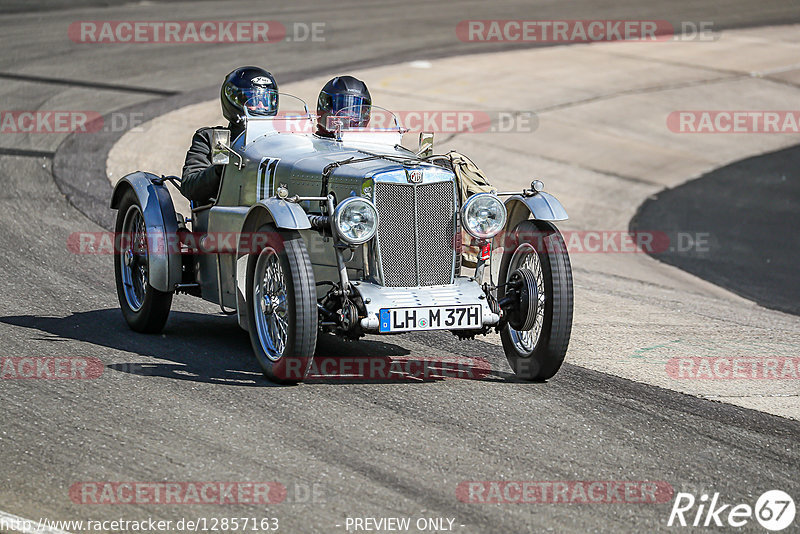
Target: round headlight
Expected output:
[356,220]
[483,215]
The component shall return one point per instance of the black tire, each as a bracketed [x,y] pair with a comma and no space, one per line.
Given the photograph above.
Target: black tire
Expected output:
[145,308]
[298,305]
[540,357]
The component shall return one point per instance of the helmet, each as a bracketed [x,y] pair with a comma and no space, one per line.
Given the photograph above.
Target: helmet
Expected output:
[251,86]
[344,93]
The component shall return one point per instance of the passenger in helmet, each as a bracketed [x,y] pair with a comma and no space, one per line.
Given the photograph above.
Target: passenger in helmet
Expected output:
[347,98]
[252,87]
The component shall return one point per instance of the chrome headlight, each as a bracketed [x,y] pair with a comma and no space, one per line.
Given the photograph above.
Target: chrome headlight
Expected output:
[355,220]
[483,215]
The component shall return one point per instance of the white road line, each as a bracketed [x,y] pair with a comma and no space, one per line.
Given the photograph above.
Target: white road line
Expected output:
[776,70]
[15,523]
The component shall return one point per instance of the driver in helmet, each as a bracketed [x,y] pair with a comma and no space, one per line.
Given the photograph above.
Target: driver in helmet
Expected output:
[253,87]
[345,97]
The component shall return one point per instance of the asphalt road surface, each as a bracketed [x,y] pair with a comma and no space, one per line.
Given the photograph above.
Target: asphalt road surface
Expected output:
[191,405]
[751,205]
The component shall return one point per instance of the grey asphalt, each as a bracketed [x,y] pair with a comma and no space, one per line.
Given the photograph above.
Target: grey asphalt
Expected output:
[191,405]
[750,214]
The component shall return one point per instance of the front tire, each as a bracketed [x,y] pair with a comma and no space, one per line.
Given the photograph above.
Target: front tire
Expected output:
[537,353]
[282,306]
[145,308]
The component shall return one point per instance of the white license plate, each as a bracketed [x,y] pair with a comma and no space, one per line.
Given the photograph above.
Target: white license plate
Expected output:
[431,318]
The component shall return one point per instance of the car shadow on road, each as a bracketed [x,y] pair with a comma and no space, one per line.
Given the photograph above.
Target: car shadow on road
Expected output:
[194,346]
[206,348]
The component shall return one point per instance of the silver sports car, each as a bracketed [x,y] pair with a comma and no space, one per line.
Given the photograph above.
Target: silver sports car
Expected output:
[350,235]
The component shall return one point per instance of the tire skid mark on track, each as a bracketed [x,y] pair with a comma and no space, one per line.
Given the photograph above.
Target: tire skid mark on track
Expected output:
[87,84]
[27,153]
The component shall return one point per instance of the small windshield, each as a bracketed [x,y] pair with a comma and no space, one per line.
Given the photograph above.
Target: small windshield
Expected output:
[377,120]
[382,128]
[274,106]
[356,109]
[260,101]
[292,114]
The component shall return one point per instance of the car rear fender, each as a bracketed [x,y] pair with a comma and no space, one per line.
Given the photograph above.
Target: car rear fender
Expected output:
[164,258]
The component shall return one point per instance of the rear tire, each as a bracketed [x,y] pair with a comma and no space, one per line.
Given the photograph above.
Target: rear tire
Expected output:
[282,306]
[145,308]
[537,354]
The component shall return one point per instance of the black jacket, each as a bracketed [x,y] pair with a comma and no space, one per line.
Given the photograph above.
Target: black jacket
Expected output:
[200,179]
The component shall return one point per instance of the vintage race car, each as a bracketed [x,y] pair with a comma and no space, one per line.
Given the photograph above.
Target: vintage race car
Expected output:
[350,235]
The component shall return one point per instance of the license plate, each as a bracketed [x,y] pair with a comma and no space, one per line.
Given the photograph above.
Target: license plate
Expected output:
[431,318]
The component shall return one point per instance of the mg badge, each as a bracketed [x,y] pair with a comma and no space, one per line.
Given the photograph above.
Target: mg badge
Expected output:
[414,175]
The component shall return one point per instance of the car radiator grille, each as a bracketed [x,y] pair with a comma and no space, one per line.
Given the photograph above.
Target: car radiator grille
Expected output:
[416,233]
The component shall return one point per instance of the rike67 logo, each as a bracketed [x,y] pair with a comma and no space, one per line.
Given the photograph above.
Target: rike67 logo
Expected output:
[774,510]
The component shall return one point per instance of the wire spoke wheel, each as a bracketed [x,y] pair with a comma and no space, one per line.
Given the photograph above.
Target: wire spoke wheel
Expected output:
[537,353]
[134,260]
[282,314]
[526,257]
[270,295]
[145,308]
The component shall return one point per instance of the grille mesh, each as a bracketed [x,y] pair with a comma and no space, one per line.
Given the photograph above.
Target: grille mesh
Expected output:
[397,237]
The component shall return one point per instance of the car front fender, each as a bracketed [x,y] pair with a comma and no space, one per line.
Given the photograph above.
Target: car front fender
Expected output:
[541,206]
[285,216]
[164,259]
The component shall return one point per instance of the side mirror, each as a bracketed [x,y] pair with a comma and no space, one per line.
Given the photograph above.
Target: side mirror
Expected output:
[219,150]
[425,145]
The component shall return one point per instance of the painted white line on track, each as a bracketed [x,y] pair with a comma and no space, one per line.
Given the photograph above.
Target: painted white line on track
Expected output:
[776,70]
[15,523]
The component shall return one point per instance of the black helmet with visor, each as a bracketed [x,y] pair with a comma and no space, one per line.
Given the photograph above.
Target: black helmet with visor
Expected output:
[345,97]
[253,87]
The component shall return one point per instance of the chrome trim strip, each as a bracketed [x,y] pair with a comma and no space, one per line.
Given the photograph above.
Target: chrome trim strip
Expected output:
[416,233]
